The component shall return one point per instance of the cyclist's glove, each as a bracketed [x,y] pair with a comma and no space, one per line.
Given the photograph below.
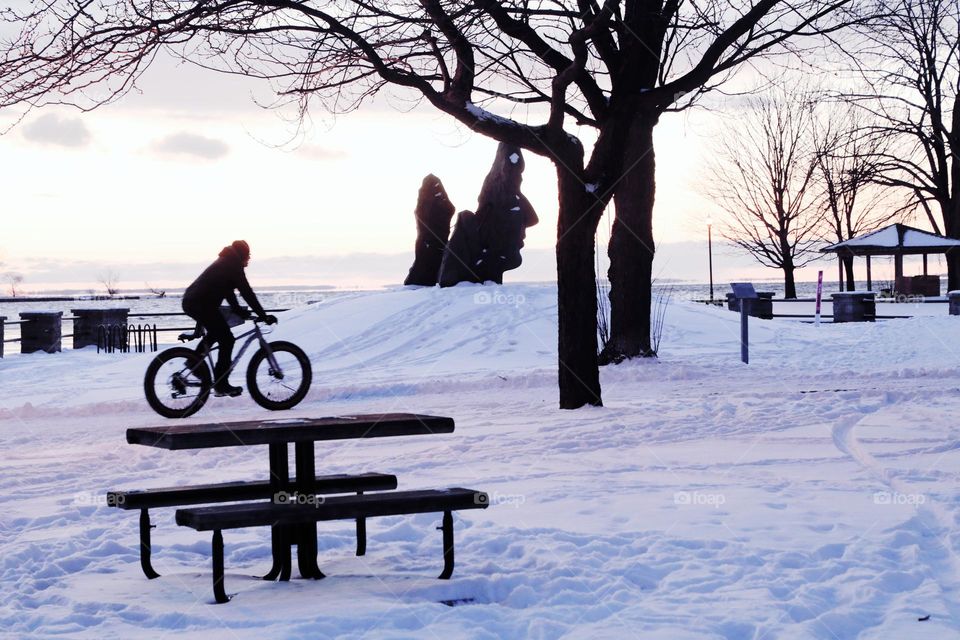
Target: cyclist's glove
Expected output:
[268,319]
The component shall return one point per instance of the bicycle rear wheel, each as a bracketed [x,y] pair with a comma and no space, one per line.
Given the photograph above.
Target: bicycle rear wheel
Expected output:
[177,383]
[285,386]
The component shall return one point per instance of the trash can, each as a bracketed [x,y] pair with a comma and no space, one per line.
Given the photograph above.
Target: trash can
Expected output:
[954,297]
[760,307]
[40,331]
[854,306]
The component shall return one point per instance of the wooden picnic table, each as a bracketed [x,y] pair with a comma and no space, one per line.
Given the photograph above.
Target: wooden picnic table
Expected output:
[277,435]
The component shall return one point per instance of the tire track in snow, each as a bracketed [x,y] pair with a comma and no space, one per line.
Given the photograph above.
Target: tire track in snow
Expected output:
[934,521]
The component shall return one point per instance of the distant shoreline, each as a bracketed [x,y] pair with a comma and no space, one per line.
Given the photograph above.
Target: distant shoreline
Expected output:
[84,298]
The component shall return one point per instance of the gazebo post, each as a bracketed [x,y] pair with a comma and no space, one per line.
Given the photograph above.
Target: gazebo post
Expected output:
[897,270]
[840,270]
[869,279]
[924,264]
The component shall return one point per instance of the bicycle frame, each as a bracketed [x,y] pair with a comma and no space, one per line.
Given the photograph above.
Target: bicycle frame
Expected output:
[255,334]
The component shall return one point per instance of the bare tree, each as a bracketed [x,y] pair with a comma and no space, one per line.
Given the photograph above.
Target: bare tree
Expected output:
[160,293]
[615,66]
[14,280]
[682,51]
[764,177]
[853,202]
[909,57]
[109,280]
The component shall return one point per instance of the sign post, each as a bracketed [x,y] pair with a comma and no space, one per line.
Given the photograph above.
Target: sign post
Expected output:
[745,294]
[816,320]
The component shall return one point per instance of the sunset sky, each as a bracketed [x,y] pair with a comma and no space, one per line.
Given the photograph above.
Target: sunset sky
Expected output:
[152,186]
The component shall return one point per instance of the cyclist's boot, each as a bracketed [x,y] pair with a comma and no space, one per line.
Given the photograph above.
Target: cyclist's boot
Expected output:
[226,389]
[221,372]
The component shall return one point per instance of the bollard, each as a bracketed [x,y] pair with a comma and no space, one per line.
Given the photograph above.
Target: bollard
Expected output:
[87,322]
[2,320]
[40,331]
[954,297]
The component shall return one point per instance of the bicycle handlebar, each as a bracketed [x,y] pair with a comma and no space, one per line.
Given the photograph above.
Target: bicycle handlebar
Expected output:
[198,332]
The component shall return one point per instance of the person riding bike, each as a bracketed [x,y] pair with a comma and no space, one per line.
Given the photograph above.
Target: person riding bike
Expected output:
[201,301]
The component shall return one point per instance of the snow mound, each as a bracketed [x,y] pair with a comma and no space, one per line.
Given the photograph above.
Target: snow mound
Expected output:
[810,494]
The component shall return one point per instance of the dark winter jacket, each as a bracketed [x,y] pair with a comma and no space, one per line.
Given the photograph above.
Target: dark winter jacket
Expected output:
[217,283]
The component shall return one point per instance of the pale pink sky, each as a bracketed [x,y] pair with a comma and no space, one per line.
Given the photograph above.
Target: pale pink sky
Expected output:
[170,174]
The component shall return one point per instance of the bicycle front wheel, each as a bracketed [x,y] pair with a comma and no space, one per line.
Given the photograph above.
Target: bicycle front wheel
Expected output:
[283,386]
[177,383]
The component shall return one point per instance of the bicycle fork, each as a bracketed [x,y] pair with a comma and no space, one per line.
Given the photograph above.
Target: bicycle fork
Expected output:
[271,359]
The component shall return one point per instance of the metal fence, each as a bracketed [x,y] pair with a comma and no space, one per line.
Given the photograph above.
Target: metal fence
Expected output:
[136,338]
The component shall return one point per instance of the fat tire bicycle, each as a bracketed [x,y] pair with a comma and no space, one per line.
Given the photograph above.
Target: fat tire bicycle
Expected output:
[179,380]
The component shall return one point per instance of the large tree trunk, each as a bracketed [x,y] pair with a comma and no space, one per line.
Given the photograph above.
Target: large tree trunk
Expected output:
[951,224]
[631,249]
[789,284]
[953,270]
[848,271]
[951,208]
[577,294]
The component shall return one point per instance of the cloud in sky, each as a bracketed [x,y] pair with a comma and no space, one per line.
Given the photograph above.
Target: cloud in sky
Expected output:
[192,144]
[51,128]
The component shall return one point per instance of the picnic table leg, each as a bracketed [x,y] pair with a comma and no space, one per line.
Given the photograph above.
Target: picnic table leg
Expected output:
[447,528]
[279,481]
[286,565]
[361,533]
[305,534]
[219,590]
[145,527]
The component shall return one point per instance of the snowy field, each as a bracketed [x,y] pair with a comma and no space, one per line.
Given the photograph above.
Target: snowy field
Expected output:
[811,494]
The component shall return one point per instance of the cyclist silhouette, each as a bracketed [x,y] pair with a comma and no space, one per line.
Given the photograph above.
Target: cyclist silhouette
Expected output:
[201,301]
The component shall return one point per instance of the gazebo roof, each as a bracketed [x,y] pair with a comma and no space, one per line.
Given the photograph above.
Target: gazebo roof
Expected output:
[893,240]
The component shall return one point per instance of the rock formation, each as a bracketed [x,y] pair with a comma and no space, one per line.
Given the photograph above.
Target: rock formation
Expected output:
[487,243]
[463,250]
[433,213]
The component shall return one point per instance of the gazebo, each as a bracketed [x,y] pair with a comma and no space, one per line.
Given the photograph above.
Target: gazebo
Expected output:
[898,240]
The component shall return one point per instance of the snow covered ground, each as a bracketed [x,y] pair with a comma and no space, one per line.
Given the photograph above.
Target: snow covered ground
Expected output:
[810,494]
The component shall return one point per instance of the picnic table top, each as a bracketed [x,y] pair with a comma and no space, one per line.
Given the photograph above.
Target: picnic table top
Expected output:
[256,432]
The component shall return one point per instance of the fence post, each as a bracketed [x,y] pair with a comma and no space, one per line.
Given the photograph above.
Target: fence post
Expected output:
[41,331]
[2,319]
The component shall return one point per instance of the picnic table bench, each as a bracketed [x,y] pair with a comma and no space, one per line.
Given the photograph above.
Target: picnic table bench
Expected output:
[359,507]
[146,499]
[292,523]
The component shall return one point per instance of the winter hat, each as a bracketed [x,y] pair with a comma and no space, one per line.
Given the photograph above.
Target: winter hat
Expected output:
[238,248]
[242,248]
